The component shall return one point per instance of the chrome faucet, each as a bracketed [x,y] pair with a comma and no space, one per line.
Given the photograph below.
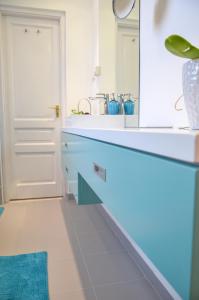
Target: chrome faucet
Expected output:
[106,98]
[121,100]
[84,99]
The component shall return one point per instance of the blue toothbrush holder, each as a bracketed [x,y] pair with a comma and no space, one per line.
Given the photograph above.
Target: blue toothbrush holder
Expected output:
[129,107]
[113,107]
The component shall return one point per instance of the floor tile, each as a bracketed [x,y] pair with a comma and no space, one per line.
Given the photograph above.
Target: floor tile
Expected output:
[63,249]
[67,275]
[83,253]
[57,248]
[103,241]
[45,221]
[11,224]
[74,295]
[112,268]
[140,290]
[89,222]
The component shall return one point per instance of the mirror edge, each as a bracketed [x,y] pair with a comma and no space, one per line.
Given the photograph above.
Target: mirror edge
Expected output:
[116,15]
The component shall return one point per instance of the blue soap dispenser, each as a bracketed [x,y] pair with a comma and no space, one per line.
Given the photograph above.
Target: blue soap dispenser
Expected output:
[129,106]
[113,106]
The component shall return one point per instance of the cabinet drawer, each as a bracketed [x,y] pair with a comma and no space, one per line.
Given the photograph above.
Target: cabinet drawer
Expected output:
[68,165]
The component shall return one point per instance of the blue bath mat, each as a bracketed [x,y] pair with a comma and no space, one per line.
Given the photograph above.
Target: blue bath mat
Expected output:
[1,210]
[24,277]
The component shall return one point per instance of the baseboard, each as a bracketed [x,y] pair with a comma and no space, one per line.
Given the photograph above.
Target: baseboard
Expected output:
[70,196]
[157,280]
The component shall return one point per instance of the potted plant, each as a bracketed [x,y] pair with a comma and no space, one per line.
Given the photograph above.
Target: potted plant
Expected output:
[179,46]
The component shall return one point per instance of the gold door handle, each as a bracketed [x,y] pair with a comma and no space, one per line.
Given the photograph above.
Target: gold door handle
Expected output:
[57,109]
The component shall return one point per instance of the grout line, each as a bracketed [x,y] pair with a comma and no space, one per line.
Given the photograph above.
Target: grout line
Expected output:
[83,257]
[123,245]
[134,282]
[141,269]
[126,251]
[118,234]
[94,292]
[154,289]
[81,253]
[106,252]
[84,262]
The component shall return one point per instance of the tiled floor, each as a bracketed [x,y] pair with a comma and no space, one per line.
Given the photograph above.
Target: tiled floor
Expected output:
[86,261]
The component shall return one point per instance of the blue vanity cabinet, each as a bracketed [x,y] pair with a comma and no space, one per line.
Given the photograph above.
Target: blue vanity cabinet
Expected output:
[154,199]
[68,165]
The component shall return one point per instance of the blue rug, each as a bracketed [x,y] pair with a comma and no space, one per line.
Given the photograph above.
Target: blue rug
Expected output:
[24,277]
[1,210]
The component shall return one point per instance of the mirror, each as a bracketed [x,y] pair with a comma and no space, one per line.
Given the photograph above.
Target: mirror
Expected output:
[119,55]
[122,8]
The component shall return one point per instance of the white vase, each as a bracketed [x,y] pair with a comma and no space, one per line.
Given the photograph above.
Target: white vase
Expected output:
[190,76]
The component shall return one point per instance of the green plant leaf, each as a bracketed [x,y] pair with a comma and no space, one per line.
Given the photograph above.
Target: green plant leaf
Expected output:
[178,46]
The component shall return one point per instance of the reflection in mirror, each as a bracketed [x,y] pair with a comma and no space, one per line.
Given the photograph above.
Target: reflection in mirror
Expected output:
[122,8]
[119,56]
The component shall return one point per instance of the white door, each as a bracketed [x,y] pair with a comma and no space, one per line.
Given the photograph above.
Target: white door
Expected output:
[128,60]
[32,69]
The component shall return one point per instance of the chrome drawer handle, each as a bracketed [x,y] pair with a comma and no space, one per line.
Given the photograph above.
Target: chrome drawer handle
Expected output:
[99,171]
[96,168]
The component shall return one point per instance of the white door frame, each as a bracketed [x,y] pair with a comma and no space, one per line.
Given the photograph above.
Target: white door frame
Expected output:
[60,16]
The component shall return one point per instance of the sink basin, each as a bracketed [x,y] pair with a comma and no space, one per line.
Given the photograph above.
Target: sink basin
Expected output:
[101,121]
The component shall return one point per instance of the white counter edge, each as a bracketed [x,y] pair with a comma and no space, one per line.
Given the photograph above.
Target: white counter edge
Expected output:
[172,143]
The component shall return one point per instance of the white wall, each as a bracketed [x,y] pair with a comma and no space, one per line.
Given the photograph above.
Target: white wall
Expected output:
[160,71]
[79,43]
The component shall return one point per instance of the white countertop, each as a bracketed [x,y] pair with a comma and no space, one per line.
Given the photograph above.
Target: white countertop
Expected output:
[180,144]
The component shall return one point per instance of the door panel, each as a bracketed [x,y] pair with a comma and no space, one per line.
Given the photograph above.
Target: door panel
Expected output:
[26,171]
[34,135]
[128,61]
[33,74]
